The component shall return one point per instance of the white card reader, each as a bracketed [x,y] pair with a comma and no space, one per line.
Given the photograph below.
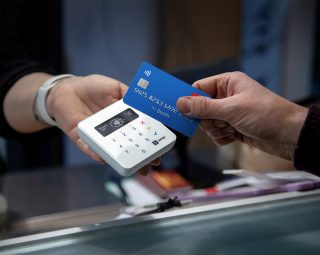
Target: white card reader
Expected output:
[125,138]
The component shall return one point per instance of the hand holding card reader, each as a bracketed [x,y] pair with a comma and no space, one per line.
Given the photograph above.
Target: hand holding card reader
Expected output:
[125,138]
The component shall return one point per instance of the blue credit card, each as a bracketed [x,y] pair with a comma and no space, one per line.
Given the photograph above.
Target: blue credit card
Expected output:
[155,93]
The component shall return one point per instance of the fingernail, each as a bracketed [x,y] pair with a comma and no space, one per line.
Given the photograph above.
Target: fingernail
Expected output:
[184,105]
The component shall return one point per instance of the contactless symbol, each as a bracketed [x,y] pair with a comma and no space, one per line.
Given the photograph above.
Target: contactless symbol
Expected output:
[143,83]
[147,72]
[117,122]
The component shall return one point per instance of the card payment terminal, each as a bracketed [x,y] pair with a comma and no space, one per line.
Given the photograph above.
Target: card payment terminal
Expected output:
[125,138]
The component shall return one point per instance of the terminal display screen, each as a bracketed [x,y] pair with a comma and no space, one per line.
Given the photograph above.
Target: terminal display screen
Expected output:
[116,122]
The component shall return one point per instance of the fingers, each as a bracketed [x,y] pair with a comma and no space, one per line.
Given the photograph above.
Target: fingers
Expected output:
[156,162]
[219,131]
[214,116]
[204,107]
[224,140]
[222,136]
[223,85]
[86,150]
[207,125]
[146,169]
[215,85]
[123,89]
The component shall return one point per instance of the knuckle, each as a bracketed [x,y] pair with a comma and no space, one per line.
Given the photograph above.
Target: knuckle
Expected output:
[238,73]
[94,76]
[202,107]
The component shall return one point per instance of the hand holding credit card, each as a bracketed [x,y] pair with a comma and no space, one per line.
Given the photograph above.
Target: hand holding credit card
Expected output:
[155,93]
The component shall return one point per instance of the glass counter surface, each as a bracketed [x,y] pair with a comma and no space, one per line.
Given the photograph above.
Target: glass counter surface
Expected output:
[276,225]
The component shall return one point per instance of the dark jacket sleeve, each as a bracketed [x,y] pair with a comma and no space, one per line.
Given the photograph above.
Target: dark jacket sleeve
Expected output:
[18,43]
[307,154]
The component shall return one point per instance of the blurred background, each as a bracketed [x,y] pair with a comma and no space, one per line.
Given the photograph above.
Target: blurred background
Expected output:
[275,42]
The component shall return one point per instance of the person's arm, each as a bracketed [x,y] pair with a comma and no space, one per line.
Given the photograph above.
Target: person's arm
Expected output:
[24,68]
[68,102]
[21,60]
[244,110]
[18,103]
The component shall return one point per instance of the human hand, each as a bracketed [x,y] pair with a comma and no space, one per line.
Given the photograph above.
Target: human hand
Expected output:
[245,110]
[74,99]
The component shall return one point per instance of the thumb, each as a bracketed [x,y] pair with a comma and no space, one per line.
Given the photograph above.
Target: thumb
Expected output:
[201,107]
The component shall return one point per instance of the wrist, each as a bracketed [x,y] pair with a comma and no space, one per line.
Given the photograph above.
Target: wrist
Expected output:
[41,108]
[51,98]
[293,128]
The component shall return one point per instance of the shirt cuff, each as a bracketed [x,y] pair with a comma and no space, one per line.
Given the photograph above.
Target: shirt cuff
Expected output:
[307,153]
